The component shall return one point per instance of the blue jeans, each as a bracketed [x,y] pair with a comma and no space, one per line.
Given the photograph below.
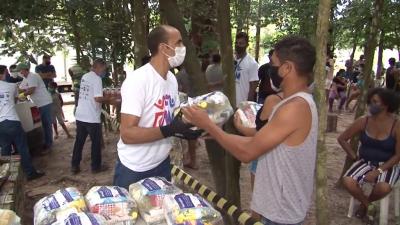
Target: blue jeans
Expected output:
[84,129]
[11,131]
[124,177]
[47,121]
[266,221]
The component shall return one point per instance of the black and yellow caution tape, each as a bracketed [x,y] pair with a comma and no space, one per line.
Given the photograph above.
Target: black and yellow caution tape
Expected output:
[220,202]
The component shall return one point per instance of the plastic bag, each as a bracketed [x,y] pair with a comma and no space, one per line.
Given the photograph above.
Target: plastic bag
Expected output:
[216,104]
[189,209]
[64,201]
[8,217]
[114,203]
[247,112]
[149,194]
[81,219]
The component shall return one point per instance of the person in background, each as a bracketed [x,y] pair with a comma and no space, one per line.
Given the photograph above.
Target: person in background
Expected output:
[329,68]
[337,90]
[146,119]
[214,75]
[57,109]
[390,74]
[11,128]
[379,152]
[88,117]
[264,87]
[246,70]
[12,75]
[34,86]
[286,146]
[76,72]
[46,71]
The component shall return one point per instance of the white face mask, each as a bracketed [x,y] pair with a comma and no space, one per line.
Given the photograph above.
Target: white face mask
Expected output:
[177,60]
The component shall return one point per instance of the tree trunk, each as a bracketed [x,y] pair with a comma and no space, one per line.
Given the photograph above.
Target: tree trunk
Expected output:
[380,55]
[169,8]
[369,58]
[321,49]
[139,34]
[258,30]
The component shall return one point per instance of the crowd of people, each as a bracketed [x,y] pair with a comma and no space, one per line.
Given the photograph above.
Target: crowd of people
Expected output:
[281,149]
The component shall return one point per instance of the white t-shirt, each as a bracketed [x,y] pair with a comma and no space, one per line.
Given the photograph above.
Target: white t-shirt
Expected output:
[40,96]
[147,95]
[88,110]
[246,71]
[8,92]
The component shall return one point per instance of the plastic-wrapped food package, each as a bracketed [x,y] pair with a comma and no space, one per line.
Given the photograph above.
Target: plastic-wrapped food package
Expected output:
[63,201]
[81,219]
[149,194]
[114,203]
[218,107]
[8,217]
[189,209]
[247,112]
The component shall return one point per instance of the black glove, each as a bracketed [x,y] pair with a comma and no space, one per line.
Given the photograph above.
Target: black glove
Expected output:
[180,129]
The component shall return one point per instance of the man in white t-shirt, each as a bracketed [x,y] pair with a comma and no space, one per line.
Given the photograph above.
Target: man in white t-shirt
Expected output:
[34,86]
[10,127]
[87,117]
[246,70]
[149,97]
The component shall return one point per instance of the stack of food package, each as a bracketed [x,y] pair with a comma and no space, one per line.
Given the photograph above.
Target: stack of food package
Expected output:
[82,218]
[149,194]
[59,205]
[189,209]
[247,112]
[8,217]
[114,203]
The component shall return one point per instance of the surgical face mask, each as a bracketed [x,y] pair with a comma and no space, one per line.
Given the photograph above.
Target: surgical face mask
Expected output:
[374,109]
[240,49]
[52,90]
[15,74]
[177,60]
[103,74]
[274,78]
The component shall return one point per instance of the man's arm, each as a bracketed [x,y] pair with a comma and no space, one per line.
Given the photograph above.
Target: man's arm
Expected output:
[249,148]
[131,133]
[252,91]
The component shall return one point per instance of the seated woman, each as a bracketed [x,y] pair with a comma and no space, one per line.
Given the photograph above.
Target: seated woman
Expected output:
[337,90]
[379,152]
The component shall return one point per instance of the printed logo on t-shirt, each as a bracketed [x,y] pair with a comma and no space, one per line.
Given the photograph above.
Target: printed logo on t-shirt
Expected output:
[84,90]
[164,107]
[4,98]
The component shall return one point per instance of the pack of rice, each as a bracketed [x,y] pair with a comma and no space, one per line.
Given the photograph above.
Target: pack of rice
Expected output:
[189,209]
[62,202]
[81,218]
[216,104]
[149,194]
[8,217]
[114,203]
[247,112]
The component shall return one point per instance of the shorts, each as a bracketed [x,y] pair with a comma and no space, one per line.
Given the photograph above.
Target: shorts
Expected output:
[253,166]
[360,168]
[57,116]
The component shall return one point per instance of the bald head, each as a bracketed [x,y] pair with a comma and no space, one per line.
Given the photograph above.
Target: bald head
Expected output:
[161,34]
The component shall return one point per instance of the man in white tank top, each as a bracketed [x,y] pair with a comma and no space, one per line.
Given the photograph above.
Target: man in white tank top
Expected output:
[286,145]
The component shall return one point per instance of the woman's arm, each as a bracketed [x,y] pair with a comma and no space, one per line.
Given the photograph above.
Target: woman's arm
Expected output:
[344,138]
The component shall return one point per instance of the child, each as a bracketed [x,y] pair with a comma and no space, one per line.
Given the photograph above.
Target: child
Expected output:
[57,109]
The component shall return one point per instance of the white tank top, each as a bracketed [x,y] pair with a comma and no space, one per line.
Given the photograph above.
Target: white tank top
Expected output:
[285,176]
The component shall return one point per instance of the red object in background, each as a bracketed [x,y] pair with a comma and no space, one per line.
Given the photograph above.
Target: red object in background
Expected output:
[35,114]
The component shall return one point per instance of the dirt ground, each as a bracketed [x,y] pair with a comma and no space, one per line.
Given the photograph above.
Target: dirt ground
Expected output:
[57,168]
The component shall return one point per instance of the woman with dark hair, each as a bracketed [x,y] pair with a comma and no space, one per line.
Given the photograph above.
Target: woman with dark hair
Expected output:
[379,152]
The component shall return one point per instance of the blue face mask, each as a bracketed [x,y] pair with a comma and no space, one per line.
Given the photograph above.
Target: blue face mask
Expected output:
[103,74]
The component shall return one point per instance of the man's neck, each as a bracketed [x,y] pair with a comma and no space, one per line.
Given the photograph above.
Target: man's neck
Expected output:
[160,66]
[242,55]
[293,87]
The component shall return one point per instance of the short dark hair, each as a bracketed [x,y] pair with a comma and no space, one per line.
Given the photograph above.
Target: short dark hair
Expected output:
[145,59]
[157,36]
[388,97]
[12,67]
[216,58]
[99,61]
[298,50]
[243,35]
[392,61]
[2,69]
[271,52]
[46,56]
